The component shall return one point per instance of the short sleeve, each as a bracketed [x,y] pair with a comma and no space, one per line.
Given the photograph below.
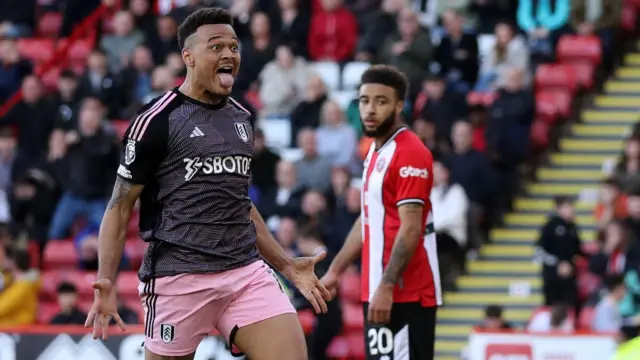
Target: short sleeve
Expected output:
[413,176]
[144,148]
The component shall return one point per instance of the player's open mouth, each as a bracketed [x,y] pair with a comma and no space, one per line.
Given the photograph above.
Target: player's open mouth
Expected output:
[225,70]
[225,75]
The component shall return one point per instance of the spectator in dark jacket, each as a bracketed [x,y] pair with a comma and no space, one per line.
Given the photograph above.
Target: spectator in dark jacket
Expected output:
[442,108]
[457,54]
[13,68]
[384,24]
[307,113]
[99,82]
[263,166]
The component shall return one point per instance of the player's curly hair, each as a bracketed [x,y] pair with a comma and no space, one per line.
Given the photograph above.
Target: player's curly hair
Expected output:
[206,16]
[389,76]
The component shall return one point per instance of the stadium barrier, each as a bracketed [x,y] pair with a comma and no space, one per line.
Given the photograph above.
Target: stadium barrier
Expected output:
[518,345]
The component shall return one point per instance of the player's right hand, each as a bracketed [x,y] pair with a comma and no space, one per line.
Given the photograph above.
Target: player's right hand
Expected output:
[331,281]
[104,308]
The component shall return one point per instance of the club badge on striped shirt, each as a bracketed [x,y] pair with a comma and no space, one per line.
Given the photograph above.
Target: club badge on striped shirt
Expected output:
[130,152]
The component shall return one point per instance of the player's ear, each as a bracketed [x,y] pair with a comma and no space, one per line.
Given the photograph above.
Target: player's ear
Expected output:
[188,58]
[399,107]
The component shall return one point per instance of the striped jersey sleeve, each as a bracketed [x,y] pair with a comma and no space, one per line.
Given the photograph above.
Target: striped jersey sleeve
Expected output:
[145,141]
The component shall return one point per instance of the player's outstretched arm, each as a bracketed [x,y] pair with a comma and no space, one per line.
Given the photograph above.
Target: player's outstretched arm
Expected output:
[409,236]
[113,230]
[350,251]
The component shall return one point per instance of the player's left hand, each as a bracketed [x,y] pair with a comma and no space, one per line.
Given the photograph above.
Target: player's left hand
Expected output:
[380,306]
[301,274]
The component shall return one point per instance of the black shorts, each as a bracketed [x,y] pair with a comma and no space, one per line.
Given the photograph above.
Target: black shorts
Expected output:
[410,335]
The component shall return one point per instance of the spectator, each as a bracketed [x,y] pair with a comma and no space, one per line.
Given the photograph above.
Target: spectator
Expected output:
[385,23]
[426,131]
[284,199]
[307,113]
[120,45]
[20,14]
[66,100]
[85,171]
[557,249]
[340,182]
[291,23]
[628,169]
[314,170]
[98,81]
[34,118]
[263,166]
[74,12]
[606,316]
[442,108]
[137,80]
[165,42]
[144,17]
[19,301]
[13,68]
[611,259]
[315,215]
[450,224]
[612,204]
[471,169]
[543,22]
[410,49]
[493,319]
[489,13]
[175,63]
[242,11]
[457,55]
[345,215]
[336,138]
[597,18]
[179,14]
[287,235]
[70,313]
[127,315]
[283,81]
[260,48]
[508,132]
[86,243]
[554,320]
[162,81]
[509,51]
[7,159]
[333,33]
[6,276]
[633,219]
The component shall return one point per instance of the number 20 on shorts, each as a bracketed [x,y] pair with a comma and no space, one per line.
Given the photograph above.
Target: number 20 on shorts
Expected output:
[380,341]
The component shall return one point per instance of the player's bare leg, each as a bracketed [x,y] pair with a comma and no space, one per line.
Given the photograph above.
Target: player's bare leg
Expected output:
[148,355]
[278,338]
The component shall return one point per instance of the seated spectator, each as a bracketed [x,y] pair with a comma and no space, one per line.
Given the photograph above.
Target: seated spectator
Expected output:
[100,82]
[383,23]
[136,76]
[509,51]
[291,23]
[489,13]
[7,159]
[336,138]
[315,214]
[457,54]
[307,113]
[127,315]
[20,17]
[162,81]
[450,206]
[284,199]
[628,169]
[543,22]
[282,83]
[493,319]
[86,171]
[86,243]
[409,49]
[606,316]
[263,166]
[442,108]
[144,17]
[66,100]
[612,204]
[599,18]
[70,313]
[554,320]
[164,42]
[241,11]
[557,249]
[615,254]
[19,301]
[426,131]
[333,33]
[287,235]
[120,45]
[260,48]
[340,182]
[314,170]
[13,68]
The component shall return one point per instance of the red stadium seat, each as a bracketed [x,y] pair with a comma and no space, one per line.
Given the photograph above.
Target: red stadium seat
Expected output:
[50,78]
[352,316]
[584,320]
[81,279]
[127,284]
[579,48]
[307,320]
[629,18]
[556,76]
[49,24]
[37,49]
[350,287]
[60,254]
[588,284]
[339,348]
[540,135]
[120,126]
[135,248]
[46,311]
[356,345]
[546,108]
[34,254]
[585,73]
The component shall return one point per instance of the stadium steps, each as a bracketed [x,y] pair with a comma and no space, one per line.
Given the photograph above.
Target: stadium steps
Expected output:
[504,273]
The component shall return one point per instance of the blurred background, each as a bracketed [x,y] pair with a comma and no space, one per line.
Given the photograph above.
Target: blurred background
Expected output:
[529,106]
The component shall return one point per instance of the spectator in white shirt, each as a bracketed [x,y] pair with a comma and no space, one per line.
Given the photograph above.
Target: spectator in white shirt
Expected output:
[606,317]
[450,205]
[555,320]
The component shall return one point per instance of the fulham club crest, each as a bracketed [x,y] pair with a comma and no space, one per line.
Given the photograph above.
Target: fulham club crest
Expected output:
[130,152]
[242,131]
[167,332]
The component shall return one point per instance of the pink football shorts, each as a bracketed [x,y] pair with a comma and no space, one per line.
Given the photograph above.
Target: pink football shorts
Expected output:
[181,310]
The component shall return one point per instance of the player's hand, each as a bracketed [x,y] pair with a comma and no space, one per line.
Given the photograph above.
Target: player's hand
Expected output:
[331,281]
[301,274]
[104,308]
[380,306]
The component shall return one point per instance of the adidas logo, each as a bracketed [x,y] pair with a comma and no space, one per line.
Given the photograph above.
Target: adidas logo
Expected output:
[196,132]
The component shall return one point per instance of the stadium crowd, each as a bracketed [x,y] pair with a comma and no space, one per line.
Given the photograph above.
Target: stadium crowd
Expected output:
[59,145]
